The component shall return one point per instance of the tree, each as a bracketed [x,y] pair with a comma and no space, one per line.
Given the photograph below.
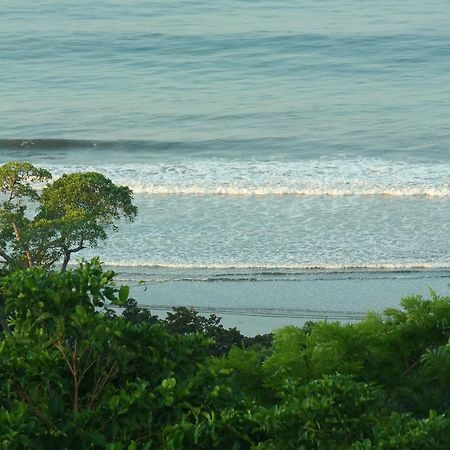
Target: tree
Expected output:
[41,227]
[72,378]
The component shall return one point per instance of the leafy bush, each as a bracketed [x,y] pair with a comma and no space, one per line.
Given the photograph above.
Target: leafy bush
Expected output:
[74,375]
[184,321]
[72,378]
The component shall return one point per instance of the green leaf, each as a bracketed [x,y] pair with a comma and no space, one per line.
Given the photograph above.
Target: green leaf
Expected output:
[56,407]
[45,316]
[123,294]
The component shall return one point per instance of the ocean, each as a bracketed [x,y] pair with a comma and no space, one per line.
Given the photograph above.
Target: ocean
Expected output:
[264,141]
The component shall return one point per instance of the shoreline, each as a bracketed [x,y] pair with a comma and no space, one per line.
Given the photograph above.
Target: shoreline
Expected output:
[260,306]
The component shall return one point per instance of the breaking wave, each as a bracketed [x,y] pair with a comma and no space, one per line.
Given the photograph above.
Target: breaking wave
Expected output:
[319,177]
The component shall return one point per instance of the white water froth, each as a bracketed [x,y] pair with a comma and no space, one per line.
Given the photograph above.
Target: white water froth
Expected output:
[375,267]
[322,177]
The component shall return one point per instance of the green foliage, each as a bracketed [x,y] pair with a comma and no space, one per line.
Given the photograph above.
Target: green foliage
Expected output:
[402,432]
[185,321]
[73,378]
[70,214]
[51,297]
[135,314]
[74,375]
[328,413]
[436,362]
[16,179]
[333,386]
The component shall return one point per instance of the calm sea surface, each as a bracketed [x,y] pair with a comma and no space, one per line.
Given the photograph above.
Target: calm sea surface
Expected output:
[261,139]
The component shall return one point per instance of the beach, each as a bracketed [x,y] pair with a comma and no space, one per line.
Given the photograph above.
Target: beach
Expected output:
[257,306]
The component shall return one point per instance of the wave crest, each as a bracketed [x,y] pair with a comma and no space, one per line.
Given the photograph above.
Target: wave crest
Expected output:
[323,177]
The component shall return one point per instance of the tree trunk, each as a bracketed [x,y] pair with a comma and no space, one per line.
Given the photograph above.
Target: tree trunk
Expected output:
[68,252]
[65,261]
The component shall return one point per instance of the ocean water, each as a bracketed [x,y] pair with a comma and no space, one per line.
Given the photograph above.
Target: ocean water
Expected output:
[262,140]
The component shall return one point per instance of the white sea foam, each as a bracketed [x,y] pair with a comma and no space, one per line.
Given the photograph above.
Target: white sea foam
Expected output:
[321,177]
[382,267]
[162,273]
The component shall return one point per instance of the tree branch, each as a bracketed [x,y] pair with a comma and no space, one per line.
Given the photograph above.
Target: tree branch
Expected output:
[78,248]
[19,239]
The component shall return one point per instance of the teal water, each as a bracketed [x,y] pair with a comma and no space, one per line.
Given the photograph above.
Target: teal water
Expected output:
[284,136]
[304,79]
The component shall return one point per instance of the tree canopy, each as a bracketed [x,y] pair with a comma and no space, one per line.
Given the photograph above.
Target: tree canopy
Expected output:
[44,221]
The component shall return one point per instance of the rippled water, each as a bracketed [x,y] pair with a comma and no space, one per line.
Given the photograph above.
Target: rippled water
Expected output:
[277,135]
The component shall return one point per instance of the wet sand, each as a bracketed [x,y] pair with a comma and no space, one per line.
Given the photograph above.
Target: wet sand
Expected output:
[257,307]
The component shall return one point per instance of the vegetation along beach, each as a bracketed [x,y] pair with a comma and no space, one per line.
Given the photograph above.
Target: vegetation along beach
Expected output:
[224,224]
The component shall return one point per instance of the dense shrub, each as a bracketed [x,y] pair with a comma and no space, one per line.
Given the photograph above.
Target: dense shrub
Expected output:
[73,375]
[184,321]
[72,378]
